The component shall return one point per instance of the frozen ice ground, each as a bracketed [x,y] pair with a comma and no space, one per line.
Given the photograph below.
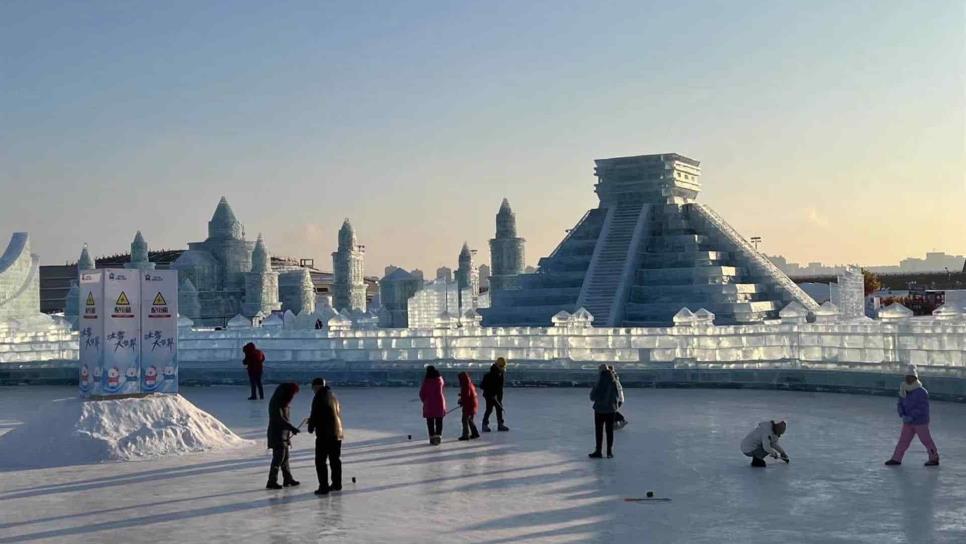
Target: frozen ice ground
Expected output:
[534,484]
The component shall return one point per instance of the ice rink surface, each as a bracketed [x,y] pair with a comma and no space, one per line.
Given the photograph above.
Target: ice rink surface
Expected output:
[533,484]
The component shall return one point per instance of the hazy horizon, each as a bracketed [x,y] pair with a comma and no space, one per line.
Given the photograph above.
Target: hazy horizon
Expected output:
[834,131]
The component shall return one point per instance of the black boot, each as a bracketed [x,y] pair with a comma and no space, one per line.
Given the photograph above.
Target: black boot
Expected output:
[464,437]
[892,463]
[322,491]
[291,482]
[756,462]
[503,428]
[595,455]
[486,427]
[272,485]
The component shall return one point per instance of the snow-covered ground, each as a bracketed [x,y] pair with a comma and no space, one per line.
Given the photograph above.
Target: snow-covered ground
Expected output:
[533,484]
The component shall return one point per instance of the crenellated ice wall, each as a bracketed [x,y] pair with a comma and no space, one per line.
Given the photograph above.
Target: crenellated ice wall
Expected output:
[936,344]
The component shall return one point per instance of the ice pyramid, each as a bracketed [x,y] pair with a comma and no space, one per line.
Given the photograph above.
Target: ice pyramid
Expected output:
[648,250]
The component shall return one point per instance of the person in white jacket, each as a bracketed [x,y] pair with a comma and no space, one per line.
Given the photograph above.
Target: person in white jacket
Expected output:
[763,441]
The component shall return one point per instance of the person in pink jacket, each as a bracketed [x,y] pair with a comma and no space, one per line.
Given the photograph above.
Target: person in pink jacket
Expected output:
[434,404]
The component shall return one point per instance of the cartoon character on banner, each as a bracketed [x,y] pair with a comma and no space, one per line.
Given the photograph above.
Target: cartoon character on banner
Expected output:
[132,374]
[85,379]
[151,382]
[113,380]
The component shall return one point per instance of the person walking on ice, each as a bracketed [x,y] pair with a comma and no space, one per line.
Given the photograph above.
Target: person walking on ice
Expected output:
[763,441]
[434,404]
[913,407]
[607,395]
[492,386]
[325,421]
[470,404]
[280,432]
[254,362]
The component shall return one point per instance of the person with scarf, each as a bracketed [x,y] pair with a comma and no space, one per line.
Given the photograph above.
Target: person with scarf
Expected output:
[913,408]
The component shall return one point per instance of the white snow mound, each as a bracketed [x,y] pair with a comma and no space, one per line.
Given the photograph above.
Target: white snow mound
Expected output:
[73,432]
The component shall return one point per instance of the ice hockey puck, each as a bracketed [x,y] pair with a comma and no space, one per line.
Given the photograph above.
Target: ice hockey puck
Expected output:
[650,494]
[353,479]
[410,436]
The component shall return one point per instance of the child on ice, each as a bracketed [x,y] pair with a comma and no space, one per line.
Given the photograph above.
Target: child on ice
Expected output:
[470,404]
[280,431]
[913,407]
[434,404]
[763,441]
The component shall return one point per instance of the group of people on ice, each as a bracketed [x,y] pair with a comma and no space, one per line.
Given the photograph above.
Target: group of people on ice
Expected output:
[607,396]
[913,409]
[432,395]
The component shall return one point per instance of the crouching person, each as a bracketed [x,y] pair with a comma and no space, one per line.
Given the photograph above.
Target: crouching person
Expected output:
[763,441]
[326,422]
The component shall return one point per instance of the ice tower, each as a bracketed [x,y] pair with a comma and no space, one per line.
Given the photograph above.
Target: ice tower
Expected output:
[467,278]
[261,284]
[349,286]
[139,254]
[506,250]
[645,252]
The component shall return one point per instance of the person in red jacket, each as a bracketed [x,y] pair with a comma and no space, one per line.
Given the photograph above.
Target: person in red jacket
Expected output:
[434,404]
[470,404]
[254,361]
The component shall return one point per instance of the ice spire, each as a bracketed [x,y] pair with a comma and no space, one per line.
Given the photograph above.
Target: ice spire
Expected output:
[347,236]
[261,261]
[85,262]
[139,249]
[506,221]
[224,224]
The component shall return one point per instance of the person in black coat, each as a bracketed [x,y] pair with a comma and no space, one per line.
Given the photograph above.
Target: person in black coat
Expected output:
[326,422]
[280,432]
[492,386]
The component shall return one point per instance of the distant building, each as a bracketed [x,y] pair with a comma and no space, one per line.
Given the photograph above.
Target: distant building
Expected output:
[347,263]
[417,273]
[261,284]
[444,273]
[484,273]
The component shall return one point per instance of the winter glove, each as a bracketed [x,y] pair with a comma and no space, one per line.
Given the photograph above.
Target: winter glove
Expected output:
[785,458]
[295,432]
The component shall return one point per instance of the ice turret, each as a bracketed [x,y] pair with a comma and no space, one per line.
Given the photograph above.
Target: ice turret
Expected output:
[347,235]
[261,261]
[85,262]
[348,285]
[139,254]
[223,223]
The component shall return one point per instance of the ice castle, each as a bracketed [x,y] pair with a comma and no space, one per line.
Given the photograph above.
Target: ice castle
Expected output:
[646,251]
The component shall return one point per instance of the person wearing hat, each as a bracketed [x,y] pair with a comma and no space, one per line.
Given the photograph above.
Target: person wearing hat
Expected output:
[325,421]
[492,386]
[913,408]
[607,396]
[763,441]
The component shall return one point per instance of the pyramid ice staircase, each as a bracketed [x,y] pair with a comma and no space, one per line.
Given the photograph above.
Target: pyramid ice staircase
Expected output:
[612,266]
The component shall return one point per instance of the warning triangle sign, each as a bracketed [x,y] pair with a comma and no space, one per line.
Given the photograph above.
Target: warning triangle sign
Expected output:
[90,300]
[122,300]
[159,300]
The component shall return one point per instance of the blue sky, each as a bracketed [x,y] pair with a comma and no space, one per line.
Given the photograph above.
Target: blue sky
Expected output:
[834,130]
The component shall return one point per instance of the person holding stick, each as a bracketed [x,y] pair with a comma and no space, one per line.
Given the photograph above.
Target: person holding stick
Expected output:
[434,404]
[280,432]
[492,386]
[325,421]
[470,404]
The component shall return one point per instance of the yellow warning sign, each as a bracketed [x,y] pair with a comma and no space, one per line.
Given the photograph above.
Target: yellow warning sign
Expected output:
[122,300]
[159,300]
[90,300]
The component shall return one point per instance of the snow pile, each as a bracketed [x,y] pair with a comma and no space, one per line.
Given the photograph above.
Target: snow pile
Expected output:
[72,432]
